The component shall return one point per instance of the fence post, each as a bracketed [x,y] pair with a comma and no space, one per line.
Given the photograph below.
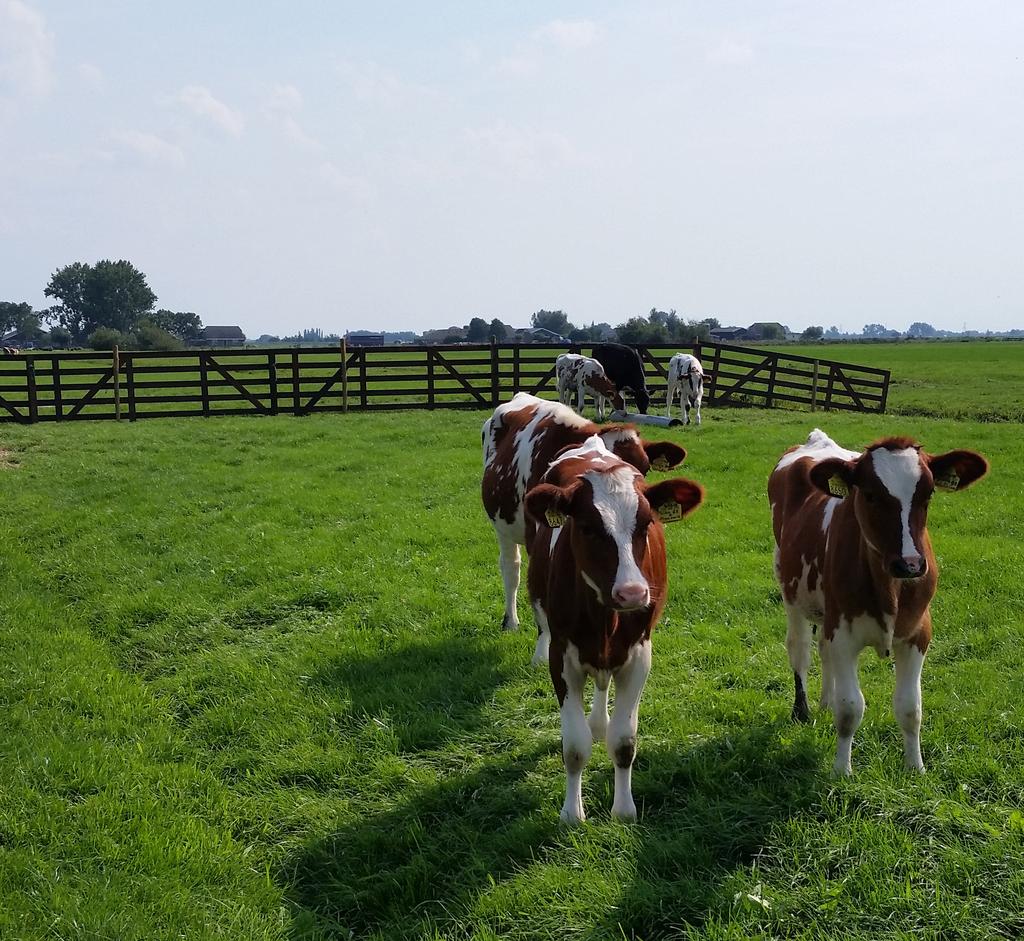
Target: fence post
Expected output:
[58,400]
[362,376]
[272,379]
[204,383]
[713,391]
[515,369]
[33,399]
[828,388]
[885,392]
[814,388]
[116,367]
[495,364]
[296,388]
[770,398]
[430,378]
[129,374]
[344,374]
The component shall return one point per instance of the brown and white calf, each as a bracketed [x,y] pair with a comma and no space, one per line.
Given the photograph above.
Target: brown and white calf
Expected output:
[585,376]
[520,440]
[598,583]
[853,556]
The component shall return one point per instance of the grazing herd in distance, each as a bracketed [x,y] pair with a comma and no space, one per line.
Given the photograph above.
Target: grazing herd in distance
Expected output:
[853,556]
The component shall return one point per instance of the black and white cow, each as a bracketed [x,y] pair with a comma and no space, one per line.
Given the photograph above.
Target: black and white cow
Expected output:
[623,366]
[685,379]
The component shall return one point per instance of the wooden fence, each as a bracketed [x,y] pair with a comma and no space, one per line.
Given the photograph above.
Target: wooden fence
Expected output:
[76,386]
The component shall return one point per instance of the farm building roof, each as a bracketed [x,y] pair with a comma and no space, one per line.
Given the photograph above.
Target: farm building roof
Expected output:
[223,333]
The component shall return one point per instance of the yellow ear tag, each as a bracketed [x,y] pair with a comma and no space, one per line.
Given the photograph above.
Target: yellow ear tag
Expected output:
[660,463]
[837,486]
[949,482]
[555,518]
[670,512]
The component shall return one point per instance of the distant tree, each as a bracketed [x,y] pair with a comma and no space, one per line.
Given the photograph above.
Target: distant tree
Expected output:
[148,336]
[108,294]
[712,323]
[477,331]
[833,332]
[268,338]
[497,330]
[452,338]
[920,329]
[773,331]
[184,325]
[59,337]
[554,320]
[874,330]
[641,330]
[813,333]
[106,338]
[12,315]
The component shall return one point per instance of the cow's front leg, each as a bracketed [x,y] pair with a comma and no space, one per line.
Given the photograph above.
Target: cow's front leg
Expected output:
[824,652]
[697,407]
[598,719]
[669,395]
[847,699]
[621,739]
[543,646]
[577,742]
[906,699]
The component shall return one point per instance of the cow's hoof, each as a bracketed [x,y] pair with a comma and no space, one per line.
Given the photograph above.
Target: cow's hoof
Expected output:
[801,713]
[507,624]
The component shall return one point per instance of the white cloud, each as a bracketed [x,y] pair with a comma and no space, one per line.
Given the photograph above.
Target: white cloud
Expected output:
[285,98]
[92,75]
[201,102]
[354,187]
[730,52]
[26,49]
[151,147]
[520,66]
[570,34]
[520,151]
[374,84]
[297,134]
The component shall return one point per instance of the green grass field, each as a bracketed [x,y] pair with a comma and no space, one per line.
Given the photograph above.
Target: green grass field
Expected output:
[253,686]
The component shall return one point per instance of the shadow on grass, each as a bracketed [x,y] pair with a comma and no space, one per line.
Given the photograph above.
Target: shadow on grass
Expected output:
[708,811]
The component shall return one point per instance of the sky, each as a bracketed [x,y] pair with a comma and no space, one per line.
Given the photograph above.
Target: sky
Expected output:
[406,166]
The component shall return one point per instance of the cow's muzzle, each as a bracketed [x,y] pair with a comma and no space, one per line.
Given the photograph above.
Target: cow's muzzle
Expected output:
[908,566]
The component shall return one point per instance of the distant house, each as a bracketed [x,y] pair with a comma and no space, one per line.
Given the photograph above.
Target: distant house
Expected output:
[222,336]
[543,335]
[364,339]
[20,339]
[728,334]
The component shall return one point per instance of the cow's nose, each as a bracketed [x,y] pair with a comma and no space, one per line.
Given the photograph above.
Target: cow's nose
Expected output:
[909,566]
[631,595]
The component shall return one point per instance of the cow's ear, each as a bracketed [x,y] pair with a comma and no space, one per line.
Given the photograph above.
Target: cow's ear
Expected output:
[664,455]
[957,470]
[673,499]
[549,505]
[834,476]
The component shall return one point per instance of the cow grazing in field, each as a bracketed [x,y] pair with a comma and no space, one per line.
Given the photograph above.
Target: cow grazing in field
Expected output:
[624,367]
[685,378]
[597,582]
[520,441]
[853,556]
[585,376]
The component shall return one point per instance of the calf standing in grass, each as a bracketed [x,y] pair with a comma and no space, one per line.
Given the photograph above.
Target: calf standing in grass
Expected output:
[598,581]
[520,441]
[685,378]
[853,556]
[625,369]
[585,376]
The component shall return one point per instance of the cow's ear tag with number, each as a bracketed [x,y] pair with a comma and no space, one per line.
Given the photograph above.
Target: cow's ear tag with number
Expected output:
[660,463]
[555,518]
[948,481]
[670,512]
[838,487]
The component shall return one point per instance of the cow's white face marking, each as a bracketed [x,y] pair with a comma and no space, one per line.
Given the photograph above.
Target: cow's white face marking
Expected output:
[617,502]
[899,472]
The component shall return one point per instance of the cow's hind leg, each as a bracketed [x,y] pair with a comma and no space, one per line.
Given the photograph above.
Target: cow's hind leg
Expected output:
[621,739]
[906,700]
[577,742]
[824,654]
[669,395]
[798,646]
[508,559]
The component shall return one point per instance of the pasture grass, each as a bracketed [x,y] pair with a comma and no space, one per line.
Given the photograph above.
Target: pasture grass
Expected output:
[254,686]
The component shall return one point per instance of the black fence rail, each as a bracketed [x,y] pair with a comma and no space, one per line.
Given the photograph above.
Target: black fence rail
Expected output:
[82,386]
